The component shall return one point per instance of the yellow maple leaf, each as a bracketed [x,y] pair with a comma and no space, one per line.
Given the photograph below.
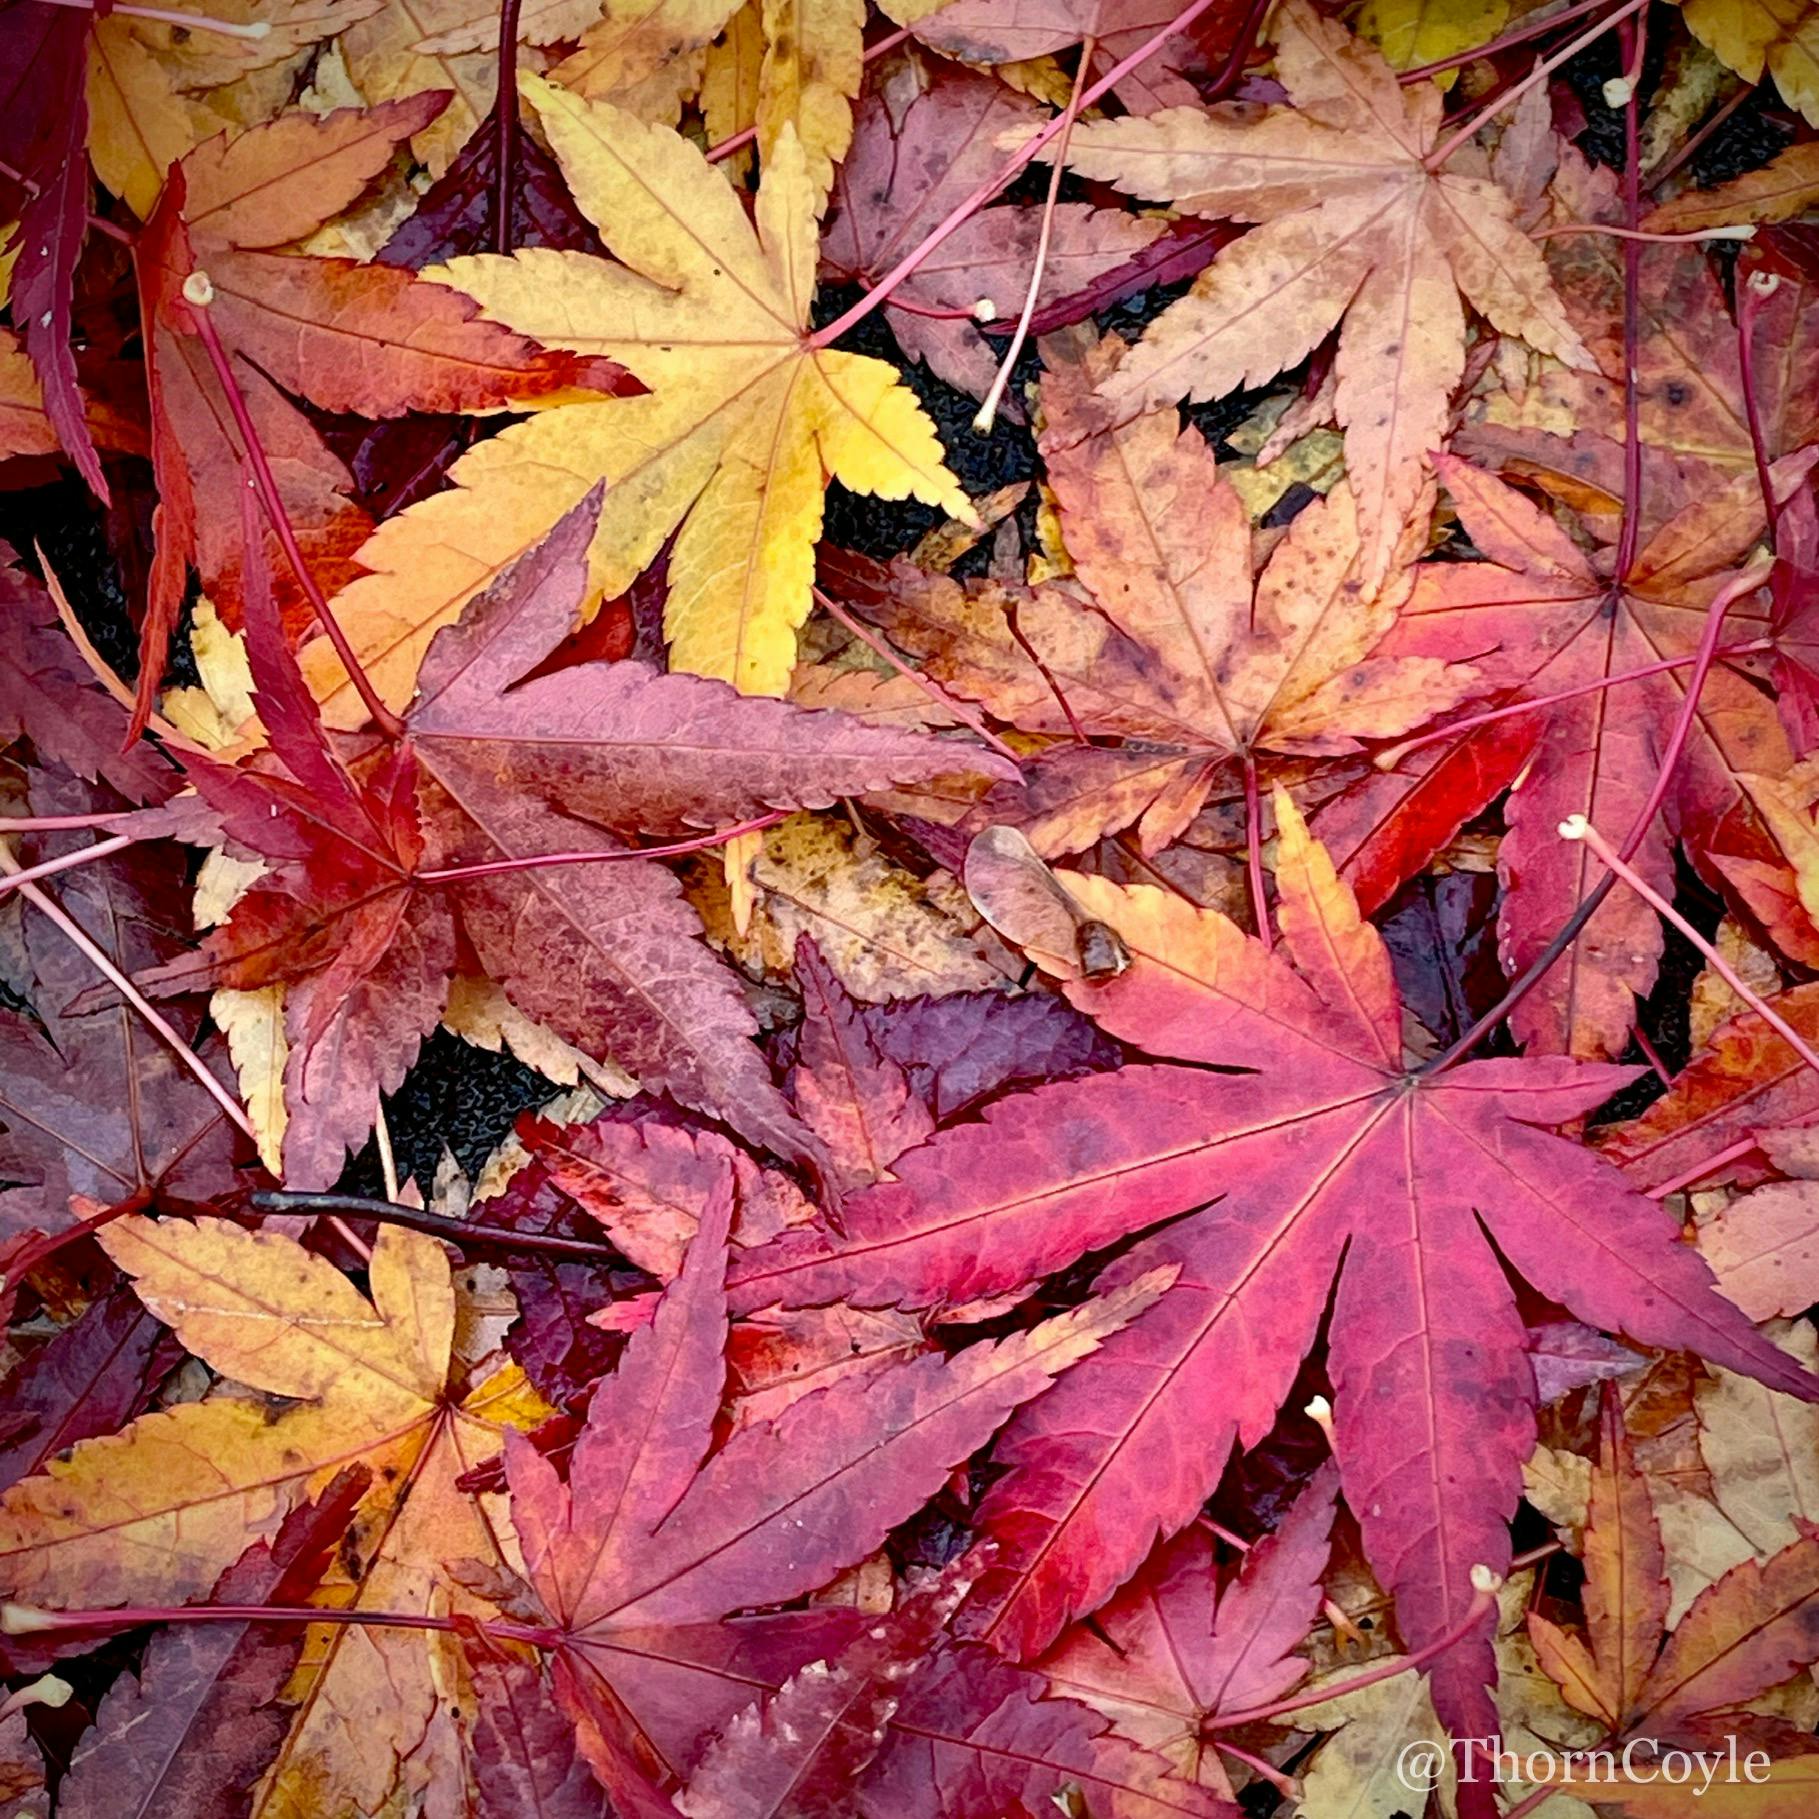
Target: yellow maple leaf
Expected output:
[1781,36]
[745,419]
[1355,226]
[157,1512]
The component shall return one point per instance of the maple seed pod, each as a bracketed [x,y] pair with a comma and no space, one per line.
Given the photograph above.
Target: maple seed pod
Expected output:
[198,290]
[1013,889]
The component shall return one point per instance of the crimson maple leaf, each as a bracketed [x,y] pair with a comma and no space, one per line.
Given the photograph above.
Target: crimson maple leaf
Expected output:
[654,1542]
[1543,618]
[1326,1157]
[377,857]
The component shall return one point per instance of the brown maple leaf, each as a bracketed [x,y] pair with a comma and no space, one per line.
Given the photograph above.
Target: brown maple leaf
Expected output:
[1174,651]
[1360,222]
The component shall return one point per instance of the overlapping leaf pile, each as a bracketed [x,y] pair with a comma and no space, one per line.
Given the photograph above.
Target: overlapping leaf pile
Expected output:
[503,584]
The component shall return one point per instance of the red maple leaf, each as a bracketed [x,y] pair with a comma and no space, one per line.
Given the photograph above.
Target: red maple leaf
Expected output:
[1326,1157]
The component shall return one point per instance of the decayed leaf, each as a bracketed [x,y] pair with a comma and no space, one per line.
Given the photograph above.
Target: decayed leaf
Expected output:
[1328,1124]
[1783,187]
[1415,32]
[1356,226]
[745,420]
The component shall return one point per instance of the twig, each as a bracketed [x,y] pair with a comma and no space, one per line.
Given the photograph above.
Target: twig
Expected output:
[505,125]
[198,293]
[464,1232]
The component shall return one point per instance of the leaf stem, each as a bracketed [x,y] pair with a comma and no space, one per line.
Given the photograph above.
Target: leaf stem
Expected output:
[1732,1152]
[965,210]
[1286,1785]
[1742,230]
[1253,849]
[198,294]
[537,862]
[99,223]
[1577,827]
[962,711]
[505,125]
[80,939]
[1391,756]
[987,413]
[48,824]
[1630,532]
[31,1620]
[190,22]
[1534,28]
[1484,1600]
[1540,73]
[48,868]
[1752,292]
[464,1232]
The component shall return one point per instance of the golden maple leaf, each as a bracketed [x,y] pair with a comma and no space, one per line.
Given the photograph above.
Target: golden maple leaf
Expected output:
[157,1512]
[1781,36]
[745,419]
[1358,223]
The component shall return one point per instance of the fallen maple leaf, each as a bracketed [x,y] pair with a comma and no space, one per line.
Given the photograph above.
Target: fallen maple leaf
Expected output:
[1779,36]
[746,418]
[1434,1389]
[1748,1632]
[640,1557]
[158,1511]
[1360,223]
[500,767]
[923,138]
[1173,1650]
[199,1723]
[1541,617]
[979,31]
[1179,654]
